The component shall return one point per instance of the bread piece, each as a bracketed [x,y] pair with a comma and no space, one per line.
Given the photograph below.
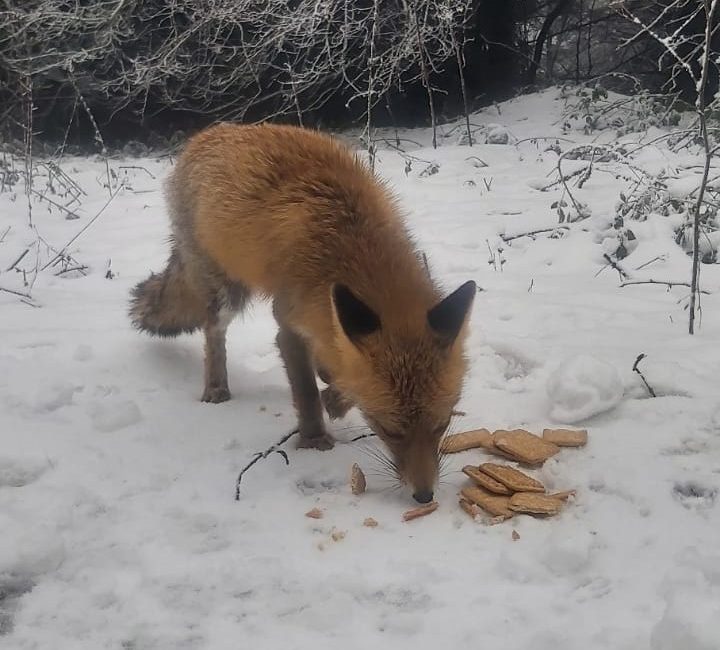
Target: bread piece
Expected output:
[492,503]
[525,446]
[566,437]
[534,504]
[357,480]
[421,511]
[457,442]
[468,506]
[486,481]
[370,522]
[512,478]
[315,513]
[494,521]
[563,496]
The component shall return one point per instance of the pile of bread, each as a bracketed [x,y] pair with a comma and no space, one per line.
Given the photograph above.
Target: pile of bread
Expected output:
[503,491]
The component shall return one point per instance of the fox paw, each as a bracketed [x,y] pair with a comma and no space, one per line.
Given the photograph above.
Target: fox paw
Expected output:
[216,394]
[321,440]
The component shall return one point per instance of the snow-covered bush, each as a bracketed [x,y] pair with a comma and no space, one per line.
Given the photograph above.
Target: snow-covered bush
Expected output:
[232,59]
[594,108]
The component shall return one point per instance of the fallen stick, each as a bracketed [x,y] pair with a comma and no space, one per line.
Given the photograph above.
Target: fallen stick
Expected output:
[272,449]
[669,285]
[639,372]
[532,233]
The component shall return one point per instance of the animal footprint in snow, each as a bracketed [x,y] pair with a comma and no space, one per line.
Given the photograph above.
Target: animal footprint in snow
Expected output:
[17,472]
[693,495]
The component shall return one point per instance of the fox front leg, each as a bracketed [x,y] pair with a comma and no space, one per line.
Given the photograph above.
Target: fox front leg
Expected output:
[306,397]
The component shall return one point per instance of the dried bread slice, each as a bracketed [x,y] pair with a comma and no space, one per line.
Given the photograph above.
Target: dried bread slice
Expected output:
[512,478]
[534,504]
[486,481]
[494,504]
[566,437]
[457,442]
[525,446]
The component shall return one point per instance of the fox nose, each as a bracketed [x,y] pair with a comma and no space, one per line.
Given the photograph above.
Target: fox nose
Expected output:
[423,496]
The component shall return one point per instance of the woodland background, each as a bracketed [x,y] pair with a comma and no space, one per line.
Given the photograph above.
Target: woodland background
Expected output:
[141,70]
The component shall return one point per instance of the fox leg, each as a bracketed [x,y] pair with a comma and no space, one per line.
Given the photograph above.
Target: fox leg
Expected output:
[296,357]
[220,312]
[216,381]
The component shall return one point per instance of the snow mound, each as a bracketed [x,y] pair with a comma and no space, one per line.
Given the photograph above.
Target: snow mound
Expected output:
[581,387]
[497,134]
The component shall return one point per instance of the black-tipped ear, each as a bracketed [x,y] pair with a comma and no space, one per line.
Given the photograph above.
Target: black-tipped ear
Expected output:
[356,318]
[447,317]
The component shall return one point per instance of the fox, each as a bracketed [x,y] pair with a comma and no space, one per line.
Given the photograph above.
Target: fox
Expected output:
[294,216]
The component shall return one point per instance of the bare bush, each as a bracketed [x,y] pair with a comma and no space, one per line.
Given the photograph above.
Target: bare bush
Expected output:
[686,31]
[230,58]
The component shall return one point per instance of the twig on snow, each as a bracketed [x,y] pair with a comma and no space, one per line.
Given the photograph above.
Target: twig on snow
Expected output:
[25,297]
[18,260]
[532,233]
[544,137]
[477,162]
[70,213]
[623,274]
[272,449]
[658,258]
[140,167]
[639,372]
[70,269]
[669,285]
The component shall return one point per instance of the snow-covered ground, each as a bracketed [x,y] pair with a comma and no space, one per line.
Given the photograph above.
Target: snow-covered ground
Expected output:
[118,525]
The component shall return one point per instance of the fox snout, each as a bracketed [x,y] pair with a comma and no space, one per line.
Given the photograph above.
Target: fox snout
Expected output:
[419,468]
[424,496]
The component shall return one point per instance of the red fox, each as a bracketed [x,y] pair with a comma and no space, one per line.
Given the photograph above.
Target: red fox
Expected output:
[293,215]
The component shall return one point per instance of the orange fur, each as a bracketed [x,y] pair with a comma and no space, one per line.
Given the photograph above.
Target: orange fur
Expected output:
[288,213]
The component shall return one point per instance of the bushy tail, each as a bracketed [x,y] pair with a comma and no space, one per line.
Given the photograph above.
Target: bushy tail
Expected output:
[166,304]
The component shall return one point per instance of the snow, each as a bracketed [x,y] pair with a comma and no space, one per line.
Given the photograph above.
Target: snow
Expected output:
[118,527]
[581,387]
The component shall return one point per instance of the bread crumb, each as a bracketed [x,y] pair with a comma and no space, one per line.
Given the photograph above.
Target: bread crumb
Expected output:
[422,511]
[357,480]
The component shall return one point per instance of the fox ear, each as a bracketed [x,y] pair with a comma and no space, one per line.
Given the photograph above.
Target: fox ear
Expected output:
[355,317]
[448,316]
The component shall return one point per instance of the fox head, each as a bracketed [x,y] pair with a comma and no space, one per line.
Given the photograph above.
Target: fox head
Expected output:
[404,376]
